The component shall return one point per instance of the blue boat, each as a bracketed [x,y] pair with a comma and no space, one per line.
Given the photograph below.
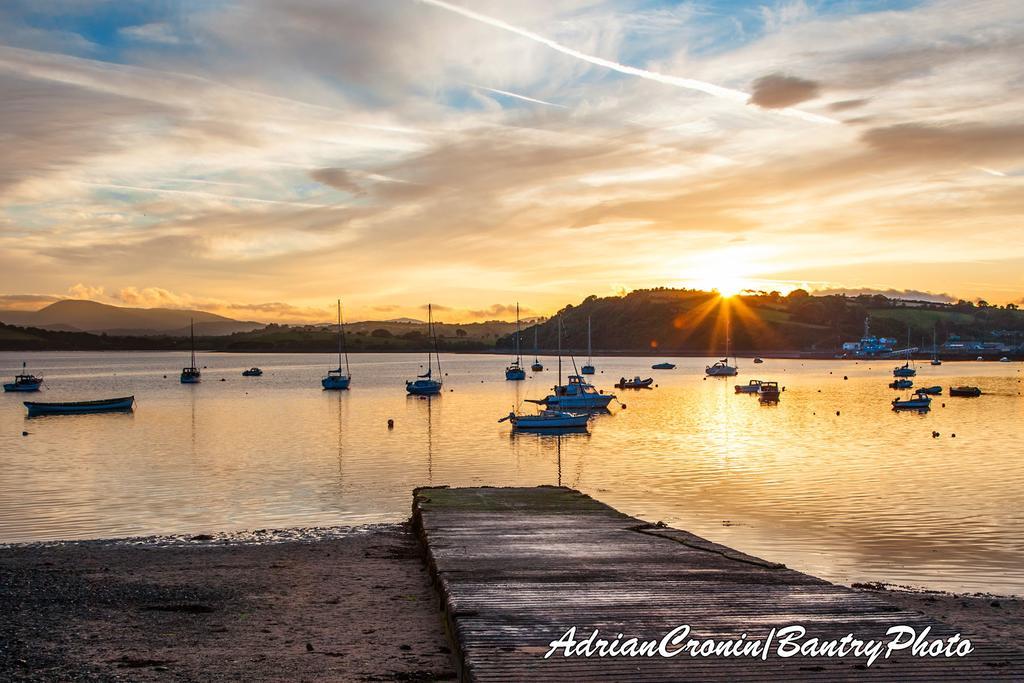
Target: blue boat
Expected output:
[191,374]
[106,405]
[425,384]
[252,372]
[337,379]
[24,382]
[663,366]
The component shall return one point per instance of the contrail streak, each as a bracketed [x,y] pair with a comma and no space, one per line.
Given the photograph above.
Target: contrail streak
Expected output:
[688,83]
[524,98]
[205,195]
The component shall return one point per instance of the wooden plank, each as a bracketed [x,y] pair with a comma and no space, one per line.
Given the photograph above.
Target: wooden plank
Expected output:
[516,567]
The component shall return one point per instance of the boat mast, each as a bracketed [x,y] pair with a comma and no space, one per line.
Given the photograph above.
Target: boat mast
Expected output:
[590,360]
[519,355]
[535,358]
[430,318]
[342,349]
[192,334]
[559,351]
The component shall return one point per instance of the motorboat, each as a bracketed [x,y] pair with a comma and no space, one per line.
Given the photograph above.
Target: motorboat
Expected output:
[768,391]
[635,383]
[24,382]
[904,371]
[425,384]
[751,387]
[339,379]
[663,366]
[934,391]
[515,369]
[122,404]
[758,360]
[966,391]
[547,419]
[588,367]
[578,393]
[191,374]
[919,401]
[936,361]
[1004,359]
[721,369]
[252,372]
[901,384]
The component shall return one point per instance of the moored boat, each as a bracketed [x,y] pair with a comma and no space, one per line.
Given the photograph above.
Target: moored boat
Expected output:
[537,365]
[901,384]
[635,383]
[425,384]
[768,391]
[338,379]
[663,366]
[24,382]
[758,360]
[106,405]
[191,374]
[515,369]
[1004,359]
[967,391]
[920,401]
[577,394]
[751,387]
[904,371]
[547,419]
[722,367]
[934,391]
[252,372]
[588,368]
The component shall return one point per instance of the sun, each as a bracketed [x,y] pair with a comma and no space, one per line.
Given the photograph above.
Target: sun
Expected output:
[722,272]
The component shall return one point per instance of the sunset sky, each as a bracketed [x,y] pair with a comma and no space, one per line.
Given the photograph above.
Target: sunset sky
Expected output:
[260,158]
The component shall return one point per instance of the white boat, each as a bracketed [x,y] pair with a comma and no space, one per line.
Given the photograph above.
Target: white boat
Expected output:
[24,381]
[338,379]
[577,394]
[588,369]
[920,401]
[425,384]
[547,419]
[722,367]
[191,374]
[751,387]
[537,365]
[1004,359]
[515,369]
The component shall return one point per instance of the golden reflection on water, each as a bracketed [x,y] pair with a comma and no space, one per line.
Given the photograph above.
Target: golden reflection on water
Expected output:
[829,480]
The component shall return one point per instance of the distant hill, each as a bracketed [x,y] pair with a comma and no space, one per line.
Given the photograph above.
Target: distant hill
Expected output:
[74,315]
[694,322]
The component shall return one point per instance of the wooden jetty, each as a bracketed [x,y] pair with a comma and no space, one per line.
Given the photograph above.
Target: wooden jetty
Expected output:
[517,567]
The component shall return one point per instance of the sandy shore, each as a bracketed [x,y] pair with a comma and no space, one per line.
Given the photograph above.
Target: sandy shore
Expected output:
[356,607]
[349,605]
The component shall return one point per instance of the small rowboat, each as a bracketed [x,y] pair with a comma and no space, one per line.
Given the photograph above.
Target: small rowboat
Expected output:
[104,405]
[635,383]
[920,401]
[964,391]
[751,387]
[547,419]
[252,372]
[663,366]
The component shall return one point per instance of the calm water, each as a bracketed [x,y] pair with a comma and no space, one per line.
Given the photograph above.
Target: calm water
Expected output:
[865,494]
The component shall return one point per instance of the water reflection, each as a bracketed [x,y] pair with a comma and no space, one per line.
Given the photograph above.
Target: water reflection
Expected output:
[828,479]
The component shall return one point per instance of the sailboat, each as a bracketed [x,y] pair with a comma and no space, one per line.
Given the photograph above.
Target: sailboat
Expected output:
[905,370]
[577,394]
[537,365]
[24,382]
[515,369]
[722,367]
[425,384]
[336,379]
[935,350]
[191,374]
[588,369]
